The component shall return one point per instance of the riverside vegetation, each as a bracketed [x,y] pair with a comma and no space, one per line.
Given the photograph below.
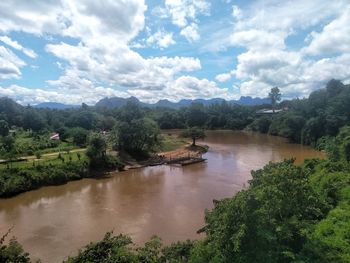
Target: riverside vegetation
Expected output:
[288,213]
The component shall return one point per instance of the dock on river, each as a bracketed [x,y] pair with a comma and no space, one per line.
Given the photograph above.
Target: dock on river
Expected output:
[190,158]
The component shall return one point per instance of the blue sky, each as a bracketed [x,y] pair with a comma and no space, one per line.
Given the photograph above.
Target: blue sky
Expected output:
[85,50]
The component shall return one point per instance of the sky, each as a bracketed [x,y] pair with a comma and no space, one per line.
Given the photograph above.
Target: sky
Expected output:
[85,50]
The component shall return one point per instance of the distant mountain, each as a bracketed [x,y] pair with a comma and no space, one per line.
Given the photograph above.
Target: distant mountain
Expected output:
[116,102]
[55,105]
[247,100]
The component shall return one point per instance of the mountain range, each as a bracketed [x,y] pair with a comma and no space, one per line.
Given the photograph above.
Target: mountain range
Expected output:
[55,105]
[116,102]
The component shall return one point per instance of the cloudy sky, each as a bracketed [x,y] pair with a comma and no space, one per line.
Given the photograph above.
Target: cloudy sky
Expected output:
[84,50]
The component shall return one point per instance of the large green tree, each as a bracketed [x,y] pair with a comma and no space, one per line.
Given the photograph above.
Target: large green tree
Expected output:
[193,133]
[97,150]
[4,128]
[136,134]
[275,96]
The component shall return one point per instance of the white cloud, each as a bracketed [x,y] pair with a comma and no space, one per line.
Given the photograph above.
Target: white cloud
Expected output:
[182,87]
[183,11]
[101,62]
[334,38]
[184,14]
[102,54]
[14,44]
[10,64]
[236,12]
[80,19]
[190,32]
[268,61]
[192,88]
[161,39]
[258,39]
[223,77]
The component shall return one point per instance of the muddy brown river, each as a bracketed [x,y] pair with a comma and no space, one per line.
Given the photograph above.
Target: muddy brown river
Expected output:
[54,222]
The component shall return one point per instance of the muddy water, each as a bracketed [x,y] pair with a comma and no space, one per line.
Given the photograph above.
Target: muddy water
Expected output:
[53,222]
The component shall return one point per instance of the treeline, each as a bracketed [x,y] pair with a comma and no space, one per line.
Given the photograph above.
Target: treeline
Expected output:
[302,121]
[308,120]
[288,214]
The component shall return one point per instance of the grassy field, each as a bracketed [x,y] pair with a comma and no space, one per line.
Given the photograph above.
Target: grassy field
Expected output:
[171,142]
[51,158]
[28,144]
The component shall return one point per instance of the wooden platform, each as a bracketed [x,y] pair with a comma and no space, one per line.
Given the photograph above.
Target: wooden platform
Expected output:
[183,161]
[192,161]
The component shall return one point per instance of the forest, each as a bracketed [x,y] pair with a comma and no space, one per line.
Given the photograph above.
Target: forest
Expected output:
[288,213]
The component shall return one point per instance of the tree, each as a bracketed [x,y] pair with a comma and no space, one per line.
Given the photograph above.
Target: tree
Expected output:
[13,251]
[267,222]
[137,137]
[194,133]
[79,136]
[8,143]
[110,249]
[33,120]
[275,97]
[136,134]
[97,148]
[196,115]
[4,128]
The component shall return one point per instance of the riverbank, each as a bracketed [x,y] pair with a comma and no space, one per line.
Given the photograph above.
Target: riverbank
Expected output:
[173,147]
[60,168]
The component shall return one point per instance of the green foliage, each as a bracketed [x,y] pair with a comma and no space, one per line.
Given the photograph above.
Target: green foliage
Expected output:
[79,136]
[97,154]
[179,252]
[170,119]
[38,155]
[33,120]
[193,133]
[269,221]
[275,96]
[110,249]
[329,242]
[120,249]
[136,134]
[312,131]
[13,251]
[17,180]
[8,143]
[196,115]
[261,125]
[82,118]
[4,128]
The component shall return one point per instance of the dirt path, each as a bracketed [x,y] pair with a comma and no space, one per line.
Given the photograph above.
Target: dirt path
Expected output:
[54,154]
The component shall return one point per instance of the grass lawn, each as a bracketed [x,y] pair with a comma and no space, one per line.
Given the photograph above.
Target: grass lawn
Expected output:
[171,142]
[51,158]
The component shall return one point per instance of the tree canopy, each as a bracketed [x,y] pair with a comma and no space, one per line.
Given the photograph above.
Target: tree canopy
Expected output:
[275,97]
[194,133]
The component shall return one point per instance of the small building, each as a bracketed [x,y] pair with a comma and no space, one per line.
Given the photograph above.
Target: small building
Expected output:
[55,137]
[268,111]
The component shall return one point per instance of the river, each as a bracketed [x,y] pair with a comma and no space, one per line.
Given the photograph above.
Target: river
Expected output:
[54,222]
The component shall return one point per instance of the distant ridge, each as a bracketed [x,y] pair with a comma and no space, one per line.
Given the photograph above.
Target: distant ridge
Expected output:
[116,102]
[55,105]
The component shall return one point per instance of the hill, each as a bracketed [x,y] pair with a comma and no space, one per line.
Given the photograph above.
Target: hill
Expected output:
[55,105]
[116,102]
